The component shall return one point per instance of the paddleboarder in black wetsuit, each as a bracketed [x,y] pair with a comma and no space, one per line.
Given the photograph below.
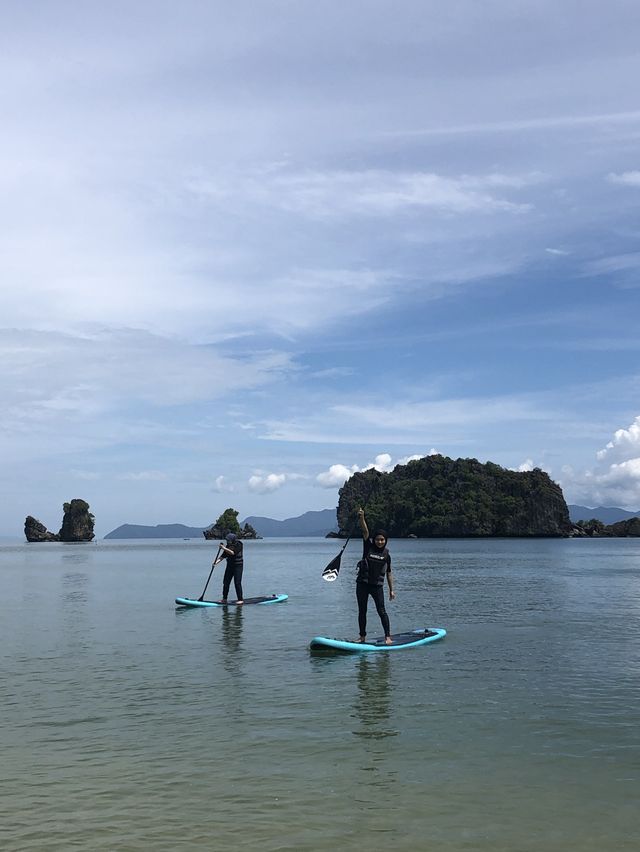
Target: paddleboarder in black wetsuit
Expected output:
[232,552]
[372,570]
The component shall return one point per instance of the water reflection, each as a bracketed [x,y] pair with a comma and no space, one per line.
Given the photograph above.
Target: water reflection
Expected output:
[235,698]
[75,588]
[373,697]
[232,645]
[77,557]
[373,710]
[74,597]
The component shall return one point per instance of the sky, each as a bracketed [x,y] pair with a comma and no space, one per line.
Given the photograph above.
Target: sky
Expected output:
[247,249]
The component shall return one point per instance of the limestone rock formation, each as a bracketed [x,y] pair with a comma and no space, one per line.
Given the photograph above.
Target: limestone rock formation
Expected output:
[36,531]
[216,532]
[77,525]
[226,523]
[78,522]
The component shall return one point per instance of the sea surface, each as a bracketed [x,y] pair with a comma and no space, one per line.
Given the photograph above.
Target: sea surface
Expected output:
[128,724]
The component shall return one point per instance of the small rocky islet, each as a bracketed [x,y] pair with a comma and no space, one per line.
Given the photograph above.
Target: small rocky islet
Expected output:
[228,523]
[77,525]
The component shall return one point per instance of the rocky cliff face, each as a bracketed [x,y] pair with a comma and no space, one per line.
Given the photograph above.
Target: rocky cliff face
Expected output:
[77,525]
[441,497]
[35,531]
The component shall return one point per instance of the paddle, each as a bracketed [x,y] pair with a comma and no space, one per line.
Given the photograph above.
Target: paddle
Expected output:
[330,573]
[213,565]
[332,570]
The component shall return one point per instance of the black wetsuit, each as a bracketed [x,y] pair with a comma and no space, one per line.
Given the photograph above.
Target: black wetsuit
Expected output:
[372,570]
[233,571]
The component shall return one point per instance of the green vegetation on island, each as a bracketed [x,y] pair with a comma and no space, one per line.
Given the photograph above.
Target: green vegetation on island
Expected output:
[594,528]
[440,497]
[228,523]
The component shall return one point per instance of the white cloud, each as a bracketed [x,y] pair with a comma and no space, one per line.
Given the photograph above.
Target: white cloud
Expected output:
[425,415]
[143,476]
[517,125]
[221,485]
[416,456]
[616,478]
[86,475]
[556,251]
[625,444]
[373,192]
[266,484]
[332,373]
[626,178]
[382,463]
[618,485]
[629,262]
[337,474]
[102,387]
[311,298]
[407,421]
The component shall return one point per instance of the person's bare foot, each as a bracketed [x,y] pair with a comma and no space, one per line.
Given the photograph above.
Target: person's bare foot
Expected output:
[388,640]
[362,640]
[239,603]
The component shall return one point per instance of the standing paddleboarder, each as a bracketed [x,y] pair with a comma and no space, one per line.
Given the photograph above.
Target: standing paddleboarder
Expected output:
[374,566]
[232,552]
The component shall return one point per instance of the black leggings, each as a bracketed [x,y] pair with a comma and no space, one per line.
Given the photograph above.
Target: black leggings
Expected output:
[363,590]
[232,573]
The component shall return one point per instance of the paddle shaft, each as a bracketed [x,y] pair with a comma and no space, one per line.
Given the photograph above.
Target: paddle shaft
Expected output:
[213,565]
[331,573]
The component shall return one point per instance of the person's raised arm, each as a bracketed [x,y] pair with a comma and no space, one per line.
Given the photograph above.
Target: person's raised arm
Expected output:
[363,524]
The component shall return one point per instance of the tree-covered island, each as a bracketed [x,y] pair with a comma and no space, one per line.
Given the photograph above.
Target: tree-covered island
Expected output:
[439,497]
[228,522]
[629,528]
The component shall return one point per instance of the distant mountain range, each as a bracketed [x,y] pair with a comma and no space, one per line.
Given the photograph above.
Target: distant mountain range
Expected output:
[606,514]
[159,531]
[310,524]
[321,522]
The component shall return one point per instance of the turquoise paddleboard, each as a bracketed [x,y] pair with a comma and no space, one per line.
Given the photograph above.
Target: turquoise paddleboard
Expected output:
[400,641]
[266,599]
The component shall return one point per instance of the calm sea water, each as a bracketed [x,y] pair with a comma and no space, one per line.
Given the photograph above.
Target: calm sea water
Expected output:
[128,724]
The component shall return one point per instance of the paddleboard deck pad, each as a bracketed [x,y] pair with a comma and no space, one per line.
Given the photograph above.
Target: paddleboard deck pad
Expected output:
[265,599]
[400,641]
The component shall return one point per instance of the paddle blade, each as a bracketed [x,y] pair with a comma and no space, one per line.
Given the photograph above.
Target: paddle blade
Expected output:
[330,573]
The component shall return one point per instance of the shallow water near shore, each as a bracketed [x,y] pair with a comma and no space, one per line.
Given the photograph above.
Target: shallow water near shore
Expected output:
[130,724]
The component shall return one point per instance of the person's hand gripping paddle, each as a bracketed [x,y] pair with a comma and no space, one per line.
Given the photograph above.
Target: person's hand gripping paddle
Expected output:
[213,565]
